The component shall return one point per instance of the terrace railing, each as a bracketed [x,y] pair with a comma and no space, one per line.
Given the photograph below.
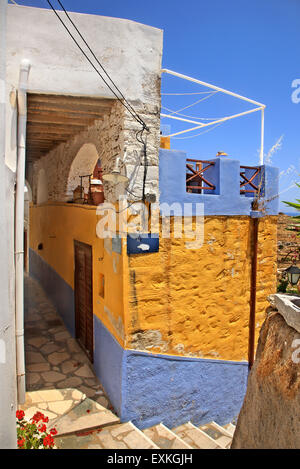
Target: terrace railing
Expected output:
[195,181]
[250,179]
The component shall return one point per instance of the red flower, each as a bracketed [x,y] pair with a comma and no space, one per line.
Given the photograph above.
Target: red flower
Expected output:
[53,431]
[21,442]
[20,414]
[42,428]
[48,441]
[37,417]
[45,419]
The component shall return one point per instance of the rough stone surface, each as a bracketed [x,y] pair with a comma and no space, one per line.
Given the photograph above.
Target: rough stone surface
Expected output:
[109,137]
[270,415]
[85,416]
[288,307]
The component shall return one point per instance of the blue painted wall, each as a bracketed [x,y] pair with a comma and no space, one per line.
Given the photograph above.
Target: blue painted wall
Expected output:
[149,389]
[225,175]
[108,363]
[59,292]
[174,390]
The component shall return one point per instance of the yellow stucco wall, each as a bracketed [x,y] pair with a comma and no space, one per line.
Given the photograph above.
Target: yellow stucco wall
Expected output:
[178,301]
[195,302]
[57,225]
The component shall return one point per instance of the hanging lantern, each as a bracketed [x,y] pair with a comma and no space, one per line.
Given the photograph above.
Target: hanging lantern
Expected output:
[115,176]
[293,273]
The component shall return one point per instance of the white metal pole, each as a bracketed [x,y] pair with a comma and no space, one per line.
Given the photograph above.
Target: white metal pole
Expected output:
[217,88]
[200,126]
[8,432]
[262,136]
[19,229]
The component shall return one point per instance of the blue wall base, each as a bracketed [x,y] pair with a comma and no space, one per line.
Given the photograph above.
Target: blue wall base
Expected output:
[59,292]
[149,389]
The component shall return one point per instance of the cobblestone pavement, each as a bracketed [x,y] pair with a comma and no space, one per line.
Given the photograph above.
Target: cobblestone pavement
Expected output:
[53,358]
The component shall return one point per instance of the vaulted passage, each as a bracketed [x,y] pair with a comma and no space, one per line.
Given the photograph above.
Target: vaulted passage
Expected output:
[54,119]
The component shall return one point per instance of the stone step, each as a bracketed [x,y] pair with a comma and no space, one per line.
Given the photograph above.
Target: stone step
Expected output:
[125,436]
[218,434]
[164,438]
[53,403]
[86,416]
[120,436]
[230,428]
[195,437]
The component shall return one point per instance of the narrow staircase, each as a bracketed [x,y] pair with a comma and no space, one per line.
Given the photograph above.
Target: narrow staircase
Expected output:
[82,423]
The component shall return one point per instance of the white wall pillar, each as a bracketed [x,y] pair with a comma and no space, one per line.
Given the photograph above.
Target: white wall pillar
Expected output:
[7,313]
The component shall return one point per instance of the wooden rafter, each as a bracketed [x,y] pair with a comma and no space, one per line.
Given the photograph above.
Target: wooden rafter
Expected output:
[53,119]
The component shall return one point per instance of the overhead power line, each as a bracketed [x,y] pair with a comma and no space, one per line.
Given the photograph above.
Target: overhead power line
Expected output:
[125,103]
[201,133]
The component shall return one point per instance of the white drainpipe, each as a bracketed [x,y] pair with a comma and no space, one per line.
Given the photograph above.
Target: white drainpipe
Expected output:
[19,229]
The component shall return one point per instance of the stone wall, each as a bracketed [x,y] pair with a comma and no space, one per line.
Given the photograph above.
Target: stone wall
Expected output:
[287,242]
[270,415]
[110,136]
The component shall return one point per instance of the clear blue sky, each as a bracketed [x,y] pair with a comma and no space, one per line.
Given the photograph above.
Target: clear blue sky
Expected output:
[249,47]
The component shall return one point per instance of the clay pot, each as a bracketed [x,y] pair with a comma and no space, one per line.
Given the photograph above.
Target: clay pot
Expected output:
[97,193]
[77,196]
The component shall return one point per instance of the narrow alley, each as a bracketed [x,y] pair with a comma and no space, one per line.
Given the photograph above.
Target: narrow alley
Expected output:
[54,360]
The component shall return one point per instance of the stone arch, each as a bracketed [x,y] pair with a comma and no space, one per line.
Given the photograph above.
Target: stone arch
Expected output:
[83,164]
[42,187]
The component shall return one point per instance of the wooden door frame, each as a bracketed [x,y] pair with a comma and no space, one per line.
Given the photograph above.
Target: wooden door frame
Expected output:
[90,353]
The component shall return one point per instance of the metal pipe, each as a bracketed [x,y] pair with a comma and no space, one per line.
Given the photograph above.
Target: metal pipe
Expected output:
[217,88]
[262,137]
[251,346]
[19,229]
[200,125]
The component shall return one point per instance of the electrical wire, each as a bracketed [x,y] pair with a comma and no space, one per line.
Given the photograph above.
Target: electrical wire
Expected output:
[134,114]
[201,133]
[140,138]
[130,109]
[185,94]
[194,104]
[191,117]
[98,62]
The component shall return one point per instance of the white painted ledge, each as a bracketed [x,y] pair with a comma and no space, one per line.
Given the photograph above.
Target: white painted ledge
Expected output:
[289,308]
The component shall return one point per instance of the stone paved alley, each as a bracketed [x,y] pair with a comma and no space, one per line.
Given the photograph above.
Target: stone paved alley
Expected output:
[54,360]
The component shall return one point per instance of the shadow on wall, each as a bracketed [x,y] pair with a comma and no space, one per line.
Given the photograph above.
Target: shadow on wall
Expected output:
[42,187]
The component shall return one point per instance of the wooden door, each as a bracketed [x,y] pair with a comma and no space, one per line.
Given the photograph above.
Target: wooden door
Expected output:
[84,297]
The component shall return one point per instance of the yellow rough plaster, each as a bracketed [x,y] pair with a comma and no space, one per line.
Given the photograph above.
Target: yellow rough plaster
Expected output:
[198,300]
[57,225]
[186,302]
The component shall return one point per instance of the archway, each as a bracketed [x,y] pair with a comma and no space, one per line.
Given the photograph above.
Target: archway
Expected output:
[83,164]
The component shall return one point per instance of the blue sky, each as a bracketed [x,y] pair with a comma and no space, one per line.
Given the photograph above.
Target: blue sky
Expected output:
[249,47]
